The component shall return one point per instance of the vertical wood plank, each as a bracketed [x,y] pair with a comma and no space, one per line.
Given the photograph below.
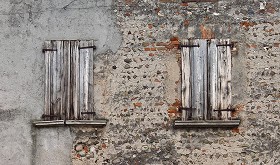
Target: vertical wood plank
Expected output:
[195,80]
[63,80]
[67,52]
[81,80]
[228,78]
[199,78]
[186,73]
[91,79]
[53,80]
[203,78]
[225,78]
[64,104]
[86,81]
[47,79]
[213,78]
[75,51]
[59,78]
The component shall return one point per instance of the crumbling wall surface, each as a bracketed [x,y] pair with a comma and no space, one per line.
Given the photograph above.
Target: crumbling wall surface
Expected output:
[144,83]
[137,81]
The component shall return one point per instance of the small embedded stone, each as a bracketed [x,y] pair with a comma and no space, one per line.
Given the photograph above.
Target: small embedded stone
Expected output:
[82,153]
[127,60]
[126,66]
[92,149]
[79,147]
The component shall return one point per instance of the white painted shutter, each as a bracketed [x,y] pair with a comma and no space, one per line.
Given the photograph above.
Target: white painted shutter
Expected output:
[69,80]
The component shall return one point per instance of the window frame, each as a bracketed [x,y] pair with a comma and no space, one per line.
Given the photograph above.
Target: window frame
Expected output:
[69,84]
[204,64]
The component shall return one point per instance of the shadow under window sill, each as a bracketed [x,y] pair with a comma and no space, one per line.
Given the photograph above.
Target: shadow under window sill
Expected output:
[207,123]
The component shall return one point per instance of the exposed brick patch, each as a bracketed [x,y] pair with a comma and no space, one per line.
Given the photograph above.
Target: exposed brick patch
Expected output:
[186,23]
[235,130]
[276,44]
[246,24]
[177,103]
[150,49]
[138,104]
[206,33]
[238,108]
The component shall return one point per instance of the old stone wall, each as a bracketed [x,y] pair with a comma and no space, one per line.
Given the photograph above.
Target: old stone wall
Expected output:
[137,81]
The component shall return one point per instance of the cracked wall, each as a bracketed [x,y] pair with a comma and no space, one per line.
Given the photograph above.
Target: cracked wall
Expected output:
[137,81]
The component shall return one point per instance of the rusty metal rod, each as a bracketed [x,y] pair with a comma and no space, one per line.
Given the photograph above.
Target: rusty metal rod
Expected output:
[87,47]
[44,50]
[86,113]
[224,109]
[231,45]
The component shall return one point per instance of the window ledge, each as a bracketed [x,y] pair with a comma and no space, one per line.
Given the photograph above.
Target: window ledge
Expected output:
[207,123]
[57,123]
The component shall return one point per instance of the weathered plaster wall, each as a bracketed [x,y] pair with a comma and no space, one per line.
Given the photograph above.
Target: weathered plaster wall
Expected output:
[25,25]
[137,81]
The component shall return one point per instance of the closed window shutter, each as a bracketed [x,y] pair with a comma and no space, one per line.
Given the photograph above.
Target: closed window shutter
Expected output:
[206,79]
[69,80]
[224,79]
[194,79]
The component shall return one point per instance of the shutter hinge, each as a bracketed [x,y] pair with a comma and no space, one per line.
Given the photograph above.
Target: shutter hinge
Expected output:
[180,46]
[224,110]
[87,113]
[87,47]
[231,45]
[45,50]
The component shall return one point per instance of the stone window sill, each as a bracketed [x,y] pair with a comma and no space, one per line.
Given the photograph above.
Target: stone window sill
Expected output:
[58,123]
[207,123]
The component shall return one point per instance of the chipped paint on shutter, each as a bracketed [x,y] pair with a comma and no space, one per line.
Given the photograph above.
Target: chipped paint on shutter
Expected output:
[186,75]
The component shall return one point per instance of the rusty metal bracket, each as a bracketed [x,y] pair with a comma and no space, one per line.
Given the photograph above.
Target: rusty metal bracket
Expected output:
[45,50]
[87,47]
[231,45]
[88,113]
[180,46]
[224,109]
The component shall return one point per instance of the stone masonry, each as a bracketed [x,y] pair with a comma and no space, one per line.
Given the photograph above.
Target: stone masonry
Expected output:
[137,81]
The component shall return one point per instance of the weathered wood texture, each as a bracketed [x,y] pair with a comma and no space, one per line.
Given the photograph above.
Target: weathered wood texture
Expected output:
[69,80]
[206,80]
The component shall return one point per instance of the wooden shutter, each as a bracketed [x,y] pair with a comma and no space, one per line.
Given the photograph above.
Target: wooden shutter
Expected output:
[223,76]
[194,79]
[206,79]
[69,80]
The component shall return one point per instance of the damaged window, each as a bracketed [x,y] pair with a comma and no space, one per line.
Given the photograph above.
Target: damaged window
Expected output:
[206,83]
[69,80]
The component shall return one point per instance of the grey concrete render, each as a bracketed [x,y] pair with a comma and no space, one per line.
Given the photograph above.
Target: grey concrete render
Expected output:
[137,81]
